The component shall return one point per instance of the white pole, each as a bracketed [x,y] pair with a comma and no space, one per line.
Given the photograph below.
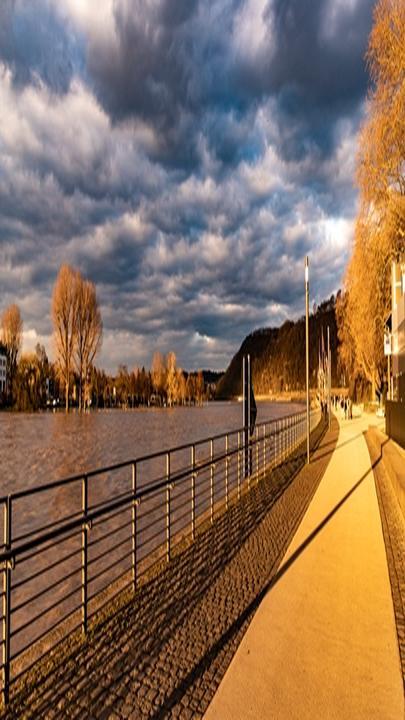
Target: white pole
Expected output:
[329,378]
[307,346]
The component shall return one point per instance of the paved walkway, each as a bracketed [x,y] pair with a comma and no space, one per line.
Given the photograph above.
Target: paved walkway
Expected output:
[323,643]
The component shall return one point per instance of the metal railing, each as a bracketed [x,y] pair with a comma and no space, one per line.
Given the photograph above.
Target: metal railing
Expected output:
[71,546]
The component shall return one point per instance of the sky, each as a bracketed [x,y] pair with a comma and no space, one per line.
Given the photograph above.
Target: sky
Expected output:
[184,155]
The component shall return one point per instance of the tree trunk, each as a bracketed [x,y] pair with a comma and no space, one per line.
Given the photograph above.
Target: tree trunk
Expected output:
[373,386]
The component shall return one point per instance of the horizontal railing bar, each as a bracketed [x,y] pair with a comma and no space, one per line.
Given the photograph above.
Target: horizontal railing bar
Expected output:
[36,531]
[49,536]
[95,506]
[44,591]
[41,637]
[179,506]
[110,515]
[176,520]
[109,550]
[110,597]
[113,579]
[184,491]
[71,525]
[153,509]
[201,491]
[47,610]
[110,533]
[45,549]
[148,540]
[46,569]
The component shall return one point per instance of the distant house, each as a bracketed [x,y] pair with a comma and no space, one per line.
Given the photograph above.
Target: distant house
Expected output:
[3,373]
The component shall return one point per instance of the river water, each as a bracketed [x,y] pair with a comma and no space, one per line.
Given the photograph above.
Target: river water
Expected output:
[39,448]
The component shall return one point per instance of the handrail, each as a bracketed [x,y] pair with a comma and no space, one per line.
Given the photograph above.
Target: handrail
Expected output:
[160,515]
[109,506]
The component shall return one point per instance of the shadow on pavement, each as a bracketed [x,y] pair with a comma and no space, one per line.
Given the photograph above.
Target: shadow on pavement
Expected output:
[165,652]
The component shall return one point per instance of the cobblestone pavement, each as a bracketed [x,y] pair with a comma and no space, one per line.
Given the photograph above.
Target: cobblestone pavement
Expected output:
[164,654]
[393,525]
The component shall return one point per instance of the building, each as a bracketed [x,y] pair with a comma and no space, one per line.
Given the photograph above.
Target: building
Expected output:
[398,332]
[3,373]
[395,406]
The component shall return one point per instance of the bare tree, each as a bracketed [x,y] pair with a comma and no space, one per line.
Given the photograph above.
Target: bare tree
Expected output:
[181,386]
[171,379]
[190,388]
[12,329]
[89,332]
[64,316]
[158,373]
[199,391]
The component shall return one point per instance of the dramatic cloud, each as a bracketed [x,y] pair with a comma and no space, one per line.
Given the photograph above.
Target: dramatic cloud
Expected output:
[185,156]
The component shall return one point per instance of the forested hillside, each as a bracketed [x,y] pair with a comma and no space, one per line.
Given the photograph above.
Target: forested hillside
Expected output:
[278,355]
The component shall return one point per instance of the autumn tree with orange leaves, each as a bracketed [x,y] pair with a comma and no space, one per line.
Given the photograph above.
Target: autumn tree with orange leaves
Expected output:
[11,331]
[380,225]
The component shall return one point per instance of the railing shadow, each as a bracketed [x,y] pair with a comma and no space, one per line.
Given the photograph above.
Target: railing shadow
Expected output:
[253,606]
[164,639]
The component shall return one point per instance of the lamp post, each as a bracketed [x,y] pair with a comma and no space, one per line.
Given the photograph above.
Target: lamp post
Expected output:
[307,346]
[329,378]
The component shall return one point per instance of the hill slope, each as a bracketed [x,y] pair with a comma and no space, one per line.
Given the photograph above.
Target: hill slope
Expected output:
[278,355]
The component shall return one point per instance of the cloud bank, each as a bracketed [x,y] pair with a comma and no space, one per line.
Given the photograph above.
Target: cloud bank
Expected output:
[185,156]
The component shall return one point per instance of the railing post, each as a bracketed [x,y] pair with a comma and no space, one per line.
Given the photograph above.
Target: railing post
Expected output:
[275,442]
[134,528]
[291,434]
[264,450]
[6,604]
[257,453]
[167,506]
[84,552]
[193,492]
[212,480]
[226,471]
[285,438]
[238,465]
[249,462]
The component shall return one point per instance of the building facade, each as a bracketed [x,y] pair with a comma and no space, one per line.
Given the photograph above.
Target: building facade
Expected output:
[398,331]
[395,406]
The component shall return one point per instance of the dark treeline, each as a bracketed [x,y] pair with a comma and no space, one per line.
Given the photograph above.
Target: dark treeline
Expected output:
[36,384]
[278,355]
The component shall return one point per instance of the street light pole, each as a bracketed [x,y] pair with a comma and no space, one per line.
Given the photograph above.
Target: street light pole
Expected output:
[329,378]
[307,346]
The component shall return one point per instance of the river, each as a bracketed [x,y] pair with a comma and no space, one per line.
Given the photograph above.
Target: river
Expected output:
[38,448]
